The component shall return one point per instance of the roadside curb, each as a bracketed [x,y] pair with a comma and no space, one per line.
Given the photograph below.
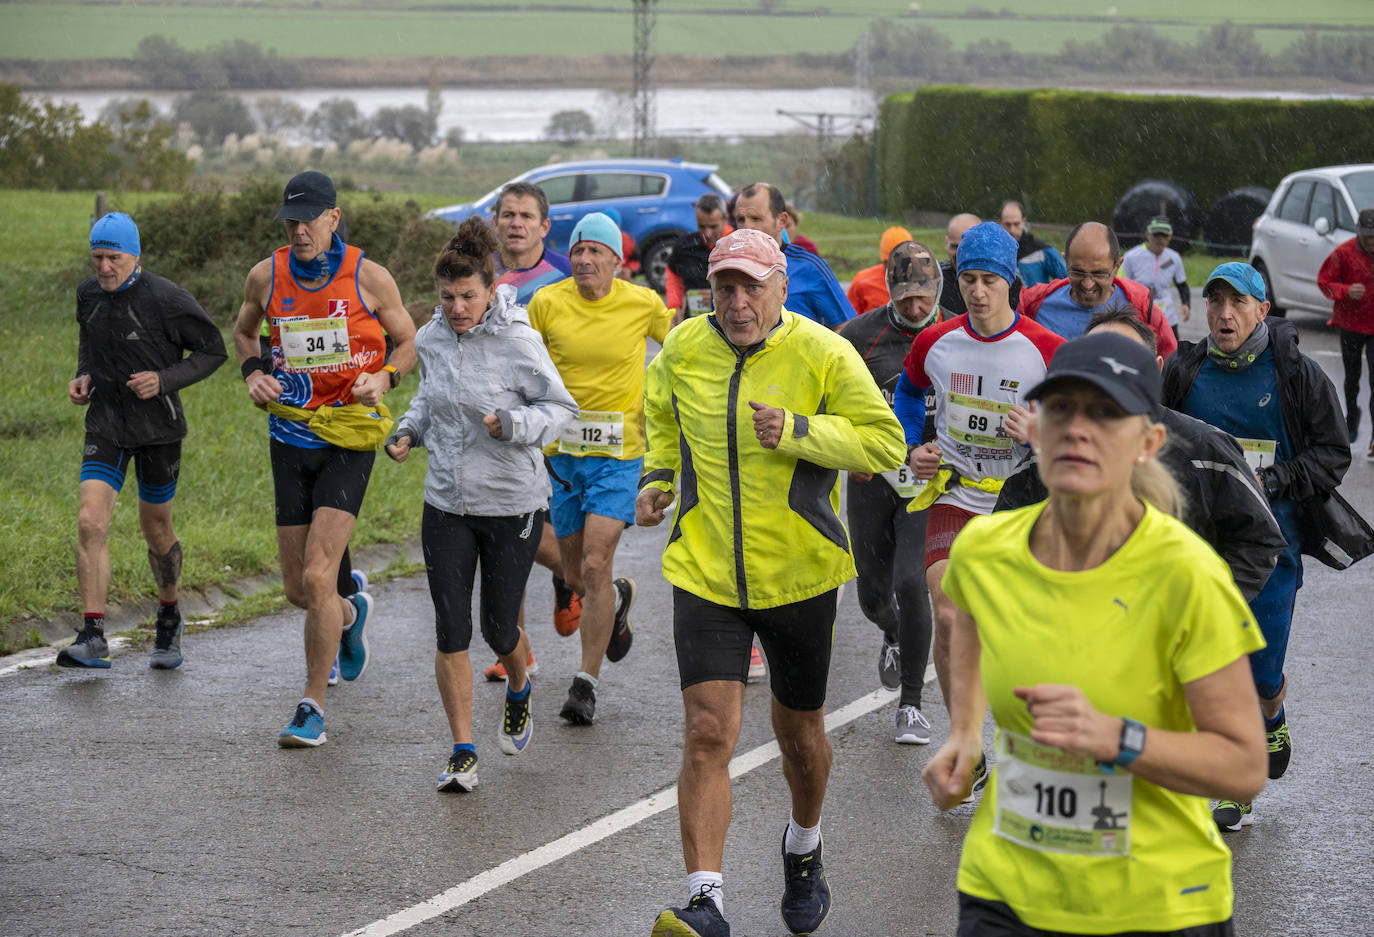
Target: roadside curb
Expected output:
[195,604]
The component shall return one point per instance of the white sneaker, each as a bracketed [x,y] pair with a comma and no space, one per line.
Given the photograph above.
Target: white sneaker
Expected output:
[913,728]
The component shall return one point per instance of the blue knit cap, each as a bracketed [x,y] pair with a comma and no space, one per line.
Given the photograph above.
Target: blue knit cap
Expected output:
[116,232]
[597,227]
[989,247]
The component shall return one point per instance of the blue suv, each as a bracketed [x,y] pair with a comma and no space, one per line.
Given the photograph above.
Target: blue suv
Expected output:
[652,196]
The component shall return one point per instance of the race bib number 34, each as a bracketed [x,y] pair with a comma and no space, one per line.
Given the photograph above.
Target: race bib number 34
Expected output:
[977,422]
[314,343]
[594,432]
[1055,801]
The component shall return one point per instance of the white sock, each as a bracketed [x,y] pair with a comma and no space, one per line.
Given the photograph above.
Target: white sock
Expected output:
[800,840]
[711,884]
[310,702]
[589,678]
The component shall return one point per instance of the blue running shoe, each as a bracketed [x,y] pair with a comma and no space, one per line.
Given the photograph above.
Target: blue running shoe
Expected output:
[360,579]
[353,643]
[334,672]
[305,730]
[517,722]
[90,649]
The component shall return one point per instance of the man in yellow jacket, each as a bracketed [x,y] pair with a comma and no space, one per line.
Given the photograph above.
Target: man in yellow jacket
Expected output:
[752,412]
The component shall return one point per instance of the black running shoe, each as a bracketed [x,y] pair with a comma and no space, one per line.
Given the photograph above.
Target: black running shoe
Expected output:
[701,918]
[1280,750]
[622,635]
[166,653]
[805,893]
[90,649]
[580,709]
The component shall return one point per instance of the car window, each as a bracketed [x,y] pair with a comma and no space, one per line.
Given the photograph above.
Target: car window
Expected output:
[1323,204]
[1360,185]
[601,185]
[559,189]
[1343,218]
[1294,207]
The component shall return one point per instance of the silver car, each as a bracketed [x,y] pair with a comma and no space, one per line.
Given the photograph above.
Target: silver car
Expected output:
[1309,215]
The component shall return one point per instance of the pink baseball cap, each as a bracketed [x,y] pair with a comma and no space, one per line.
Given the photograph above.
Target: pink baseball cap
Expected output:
[752,252]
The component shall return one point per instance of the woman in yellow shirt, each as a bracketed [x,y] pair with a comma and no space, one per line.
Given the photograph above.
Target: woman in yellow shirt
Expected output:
[1110,644]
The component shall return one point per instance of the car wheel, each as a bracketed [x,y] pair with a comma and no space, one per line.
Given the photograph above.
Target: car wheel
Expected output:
[1274,308]
[653,260]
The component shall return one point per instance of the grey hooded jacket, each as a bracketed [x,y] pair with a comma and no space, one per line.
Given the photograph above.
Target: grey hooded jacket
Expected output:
[498,366]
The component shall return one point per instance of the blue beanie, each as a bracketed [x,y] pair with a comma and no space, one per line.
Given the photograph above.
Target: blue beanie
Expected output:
[597,227]
[117,232]
[989,247]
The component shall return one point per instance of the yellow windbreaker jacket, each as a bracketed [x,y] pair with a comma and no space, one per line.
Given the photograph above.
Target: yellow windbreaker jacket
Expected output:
[758,528]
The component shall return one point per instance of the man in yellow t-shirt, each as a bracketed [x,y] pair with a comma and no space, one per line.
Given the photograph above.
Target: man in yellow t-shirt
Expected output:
[595,327]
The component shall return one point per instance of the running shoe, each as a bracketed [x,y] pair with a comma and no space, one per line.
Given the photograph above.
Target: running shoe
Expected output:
[980,778]
[913,728]
[567,608]
[334,672]
[890,665]
[360,579]
[580,709]
[805,892]
[460,774]
[497,671]
[353,643]
[622,635]
[166,653]
[90,649]
[517,722]
[1352,423]
[1370,456]
[305,730]
[757,669]
[701,918]
[1231,815]
[1280,750]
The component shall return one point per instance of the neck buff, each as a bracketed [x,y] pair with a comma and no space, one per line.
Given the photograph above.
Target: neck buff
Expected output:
[133,278]
[912,323]
[1245,355]
[325,265]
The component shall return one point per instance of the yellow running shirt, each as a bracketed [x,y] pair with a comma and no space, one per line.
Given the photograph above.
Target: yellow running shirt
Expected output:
[1118,853]
[599,348]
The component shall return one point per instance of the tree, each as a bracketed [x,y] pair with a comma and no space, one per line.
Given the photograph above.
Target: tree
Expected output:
[337,121]
[129,113]
[411,124]
[213,115]
[276,114]
[568,127]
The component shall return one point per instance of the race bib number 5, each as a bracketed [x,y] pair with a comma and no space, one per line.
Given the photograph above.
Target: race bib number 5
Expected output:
[594,432]
[904,482]
[1055,801]
[977,422]
[314,343]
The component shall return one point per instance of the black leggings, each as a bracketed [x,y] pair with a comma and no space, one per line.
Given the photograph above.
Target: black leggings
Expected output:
[1352,345]
[889,550]
[453,544]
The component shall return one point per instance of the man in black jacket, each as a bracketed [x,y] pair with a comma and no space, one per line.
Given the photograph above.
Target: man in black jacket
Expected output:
[1224,504]
[142,339]
[1249,379]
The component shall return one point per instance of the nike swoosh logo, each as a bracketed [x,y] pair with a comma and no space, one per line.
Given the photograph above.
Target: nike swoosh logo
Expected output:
[297,195]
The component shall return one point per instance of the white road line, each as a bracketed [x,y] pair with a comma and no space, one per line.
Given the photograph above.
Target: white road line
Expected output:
[607,826]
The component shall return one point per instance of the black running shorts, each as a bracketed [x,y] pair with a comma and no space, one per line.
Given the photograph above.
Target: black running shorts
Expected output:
[713,643]
[979,917]
[306,479]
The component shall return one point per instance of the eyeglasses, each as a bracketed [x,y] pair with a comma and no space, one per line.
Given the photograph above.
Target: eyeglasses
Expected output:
[1100,276]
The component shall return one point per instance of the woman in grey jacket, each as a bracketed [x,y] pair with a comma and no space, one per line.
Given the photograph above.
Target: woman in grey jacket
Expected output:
[489,398]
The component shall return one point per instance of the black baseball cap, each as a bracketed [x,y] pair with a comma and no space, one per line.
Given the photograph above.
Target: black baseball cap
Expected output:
[307,196]
[1366,222]
[1120,367]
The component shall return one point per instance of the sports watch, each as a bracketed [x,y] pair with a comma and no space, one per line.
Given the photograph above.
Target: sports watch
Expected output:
[1132,742]
[392,374]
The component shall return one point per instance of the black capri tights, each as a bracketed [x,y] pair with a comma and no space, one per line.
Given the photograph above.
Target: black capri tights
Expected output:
[453,545]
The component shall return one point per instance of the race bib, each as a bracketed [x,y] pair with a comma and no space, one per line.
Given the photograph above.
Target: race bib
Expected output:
[698,302]
[1054,801]
[594,432]
[1259,453]
[904,482]
[977,422]
[314,343]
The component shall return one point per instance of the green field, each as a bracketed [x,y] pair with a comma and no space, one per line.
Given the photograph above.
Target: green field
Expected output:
[79,31]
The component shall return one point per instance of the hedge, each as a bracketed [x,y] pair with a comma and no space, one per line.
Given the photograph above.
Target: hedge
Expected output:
[1070,155]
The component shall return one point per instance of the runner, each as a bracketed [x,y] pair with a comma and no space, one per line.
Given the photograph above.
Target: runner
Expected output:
[752,413]
[868,289]
[1037,261]
[134,327]
[1156,265]
[1347,277]
[322,389]
[1110,644]
[978,366]
[489,397]
[595,327]
[892,590]
[524,262]
[688,293]
[1297,450]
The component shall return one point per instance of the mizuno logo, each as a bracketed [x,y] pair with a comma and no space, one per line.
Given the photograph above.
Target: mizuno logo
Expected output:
[1117,367]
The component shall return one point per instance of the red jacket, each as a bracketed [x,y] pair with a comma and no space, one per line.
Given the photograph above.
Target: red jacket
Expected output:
[868,290]
[1347,266]
[1137,295]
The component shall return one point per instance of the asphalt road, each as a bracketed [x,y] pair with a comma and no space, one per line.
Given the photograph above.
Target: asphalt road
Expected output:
[139,802]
